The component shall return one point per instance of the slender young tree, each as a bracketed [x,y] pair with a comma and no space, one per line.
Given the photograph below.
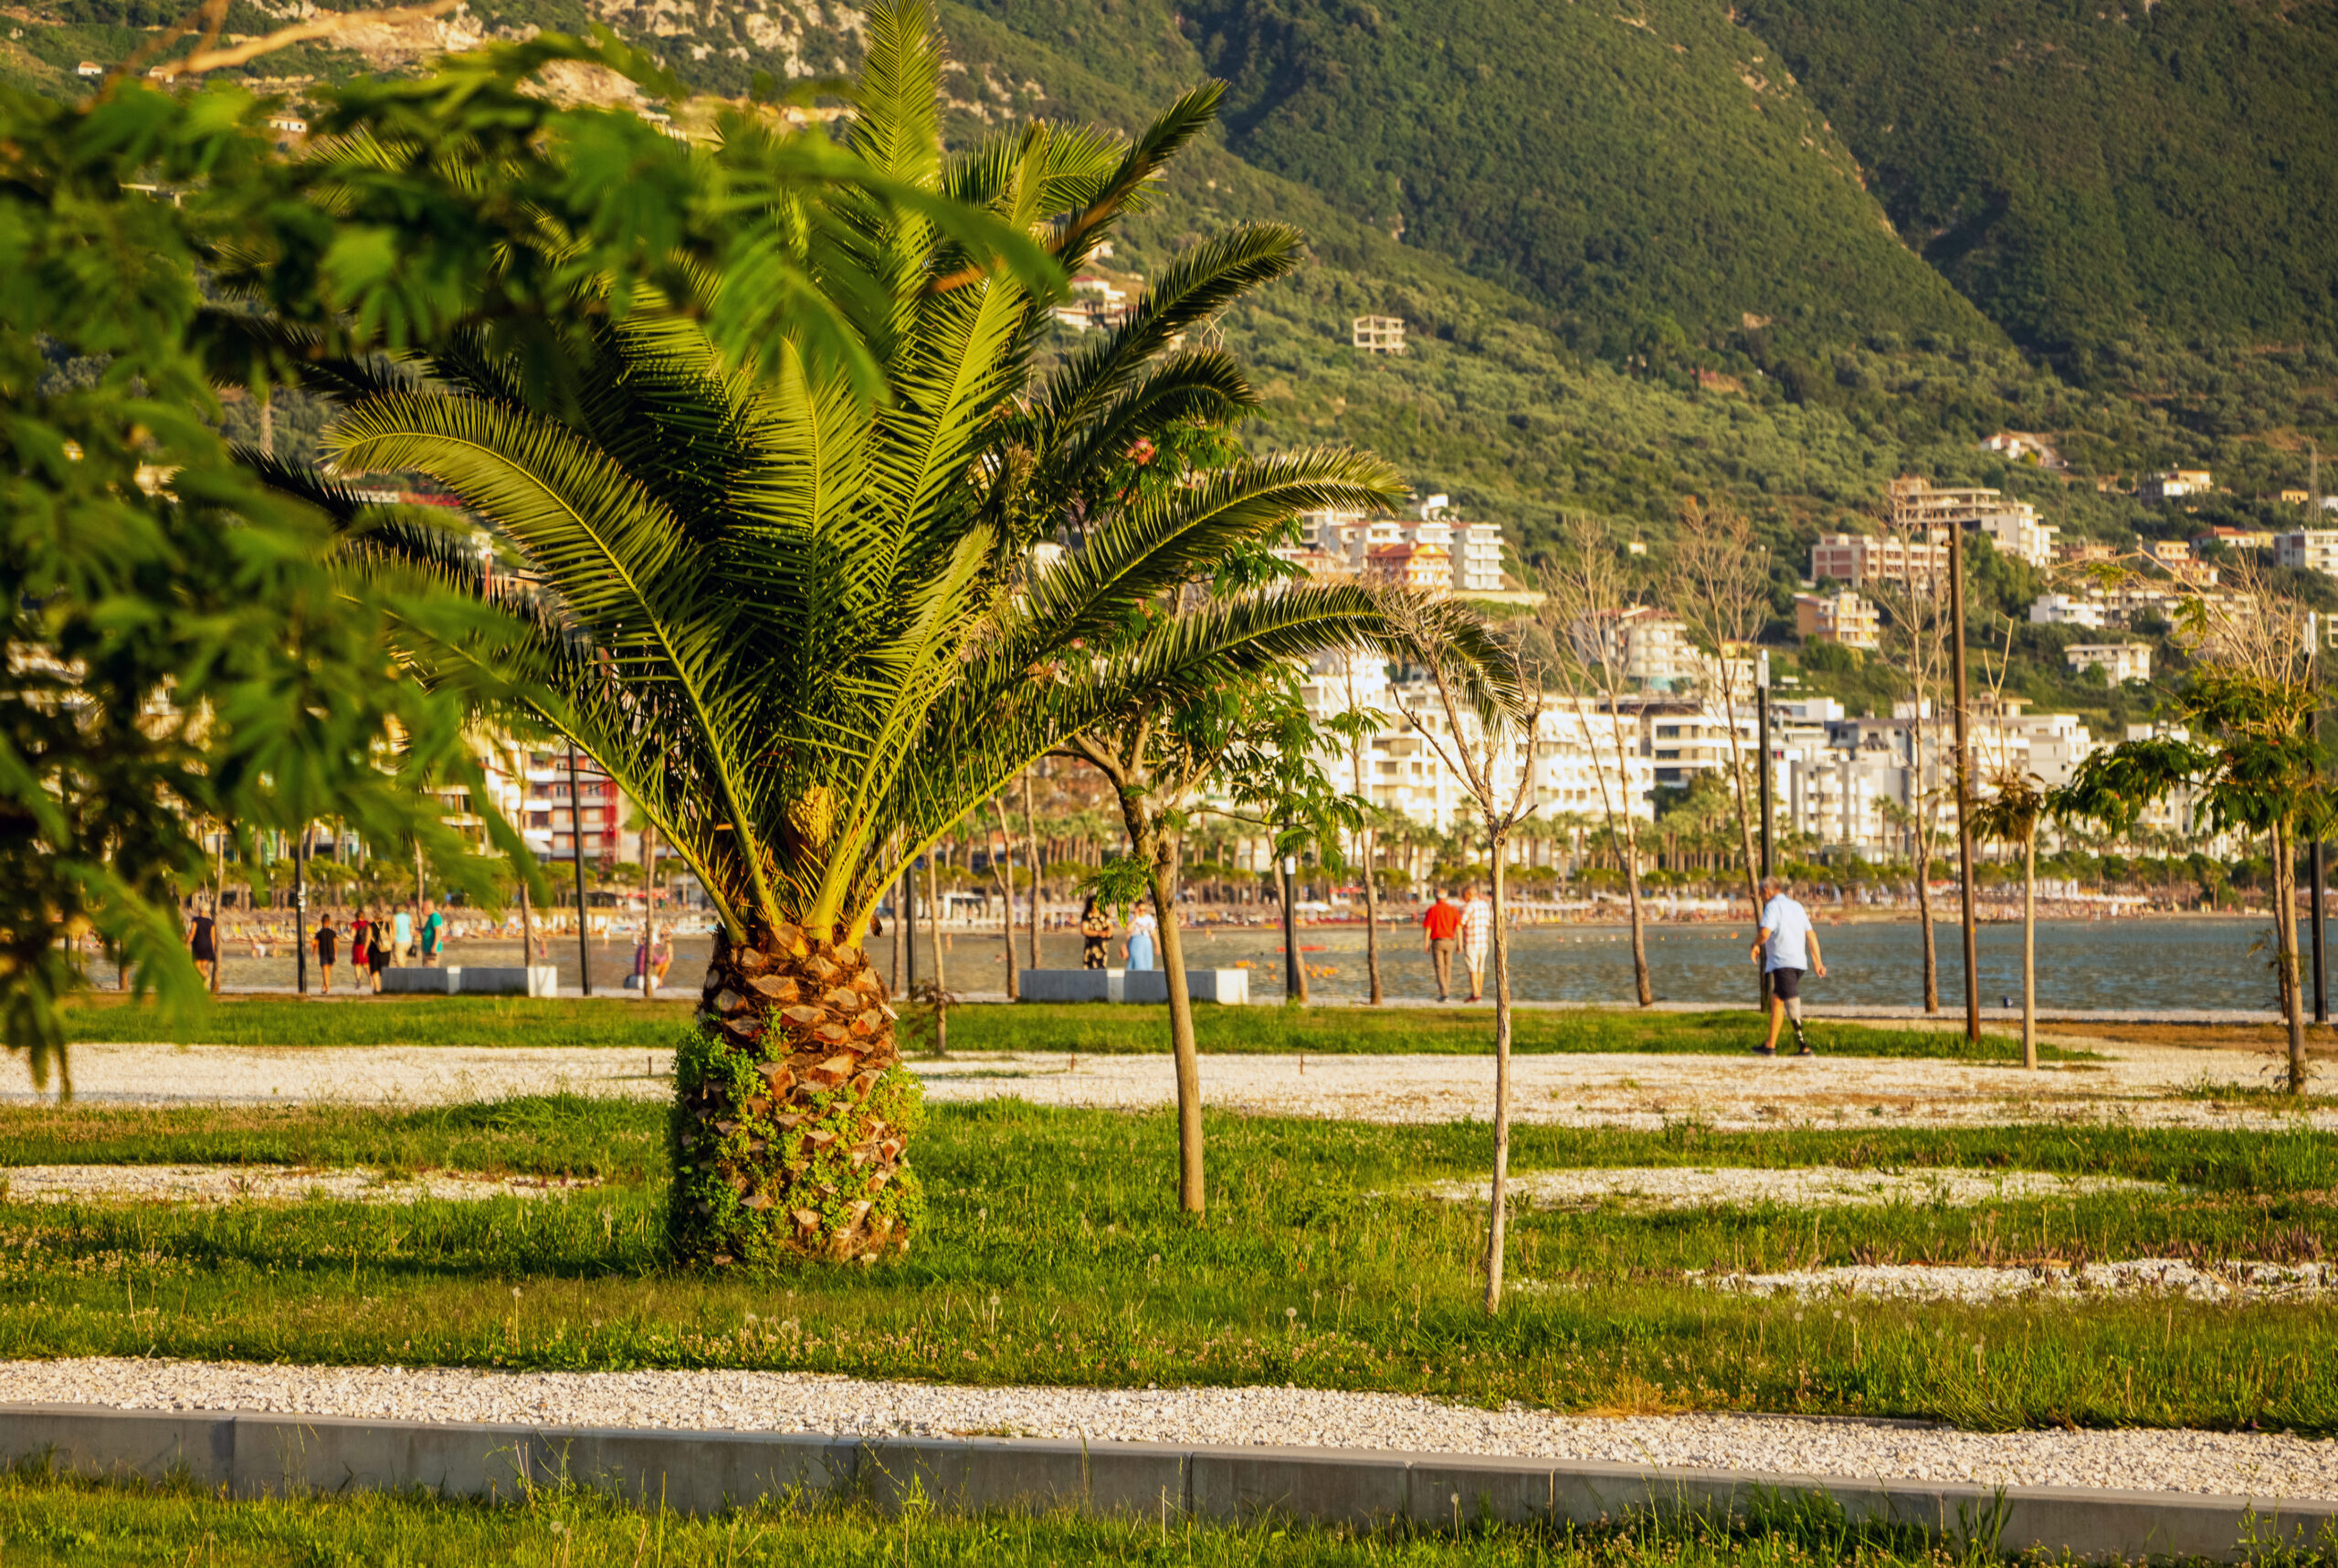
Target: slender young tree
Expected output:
[2011,813]
[1031,855]
[1587,592]
[1367,721]
[2240,743]
[1918,603]
[1003,873]
[1722,574]
[1490,751]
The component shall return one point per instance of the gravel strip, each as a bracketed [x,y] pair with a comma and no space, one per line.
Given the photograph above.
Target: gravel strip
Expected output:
[2230,1283]
[258,1184]
[1647,1092]
[1809,1186]
[2262,1464]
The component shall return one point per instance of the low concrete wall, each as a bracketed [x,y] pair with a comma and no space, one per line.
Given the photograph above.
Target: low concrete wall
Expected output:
[1229,986]
[701,1472]
[406,980]
[536,980]
[1063,984]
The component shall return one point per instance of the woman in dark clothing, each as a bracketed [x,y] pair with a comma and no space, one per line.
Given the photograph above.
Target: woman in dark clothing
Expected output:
[203,945]
[328,943]
[377,950]
[1095,931]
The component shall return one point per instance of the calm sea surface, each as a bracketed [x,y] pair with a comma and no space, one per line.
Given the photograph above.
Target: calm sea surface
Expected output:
[2080,964]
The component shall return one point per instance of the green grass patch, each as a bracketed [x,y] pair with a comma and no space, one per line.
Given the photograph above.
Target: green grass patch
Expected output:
[91,1524]
[1055,1254]
[1073,1028]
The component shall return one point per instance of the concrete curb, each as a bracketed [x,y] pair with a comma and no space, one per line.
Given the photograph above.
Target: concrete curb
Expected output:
[257,1455]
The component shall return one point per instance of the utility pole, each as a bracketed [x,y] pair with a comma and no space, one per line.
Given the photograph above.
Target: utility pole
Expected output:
[1964,780]
[576,857]
[2313,656]
[1762,744]
[908,928]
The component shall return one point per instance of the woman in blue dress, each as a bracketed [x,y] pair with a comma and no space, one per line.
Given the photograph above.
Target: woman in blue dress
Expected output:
[1137,952]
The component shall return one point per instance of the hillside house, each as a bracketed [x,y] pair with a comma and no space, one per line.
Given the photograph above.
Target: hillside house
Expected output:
[1379,334]
[2118,660]
[1845,618]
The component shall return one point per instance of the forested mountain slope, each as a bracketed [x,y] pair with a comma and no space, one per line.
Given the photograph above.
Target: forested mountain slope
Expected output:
[2086,172]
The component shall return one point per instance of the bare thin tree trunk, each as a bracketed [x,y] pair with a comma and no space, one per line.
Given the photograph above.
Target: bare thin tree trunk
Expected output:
[1003,870]
[1192,1194]
[219,897]
[2285,940]
[648,914]
[2029,950]
[933,917]
[1497,1213]
[1031,849]
[1370,879]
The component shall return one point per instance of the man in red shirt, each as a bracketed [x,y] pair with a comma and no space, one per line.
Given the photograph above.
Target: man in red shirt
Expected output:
[1443,924]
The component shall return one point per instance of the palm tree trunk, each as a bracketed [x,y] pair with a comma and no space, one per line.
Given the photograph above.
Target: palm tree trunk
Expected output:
[2029,950]
[1497,1213]
[1003,870]
[1183,1046]
[933,917]
[2285,941]
[789,1109]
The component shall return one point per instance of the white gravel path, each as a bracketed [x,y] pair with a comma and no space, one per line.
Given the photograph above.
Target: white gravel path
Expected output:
[1640,1092]
[1808,1186]
[258,1184]
[2167,1277]
[2262,1464]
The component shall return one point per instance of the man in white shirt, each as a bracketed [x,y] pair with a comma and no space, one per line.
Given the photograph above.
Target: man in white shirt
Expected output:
[1786,947]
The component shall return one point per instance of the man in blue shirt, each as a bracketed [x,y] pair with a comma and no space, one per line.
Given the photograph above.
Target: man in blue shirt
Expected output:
[1786,947]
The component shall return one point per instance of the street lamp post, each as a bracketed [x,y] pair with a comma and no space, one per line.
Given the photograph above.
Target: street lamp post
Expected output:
[1964,781]
[576,857]
[1761,743]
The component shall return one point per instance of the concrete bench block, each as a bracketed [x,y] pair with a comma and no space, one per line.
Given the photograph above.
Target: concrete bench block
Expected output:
[536,980]
[1140,1478]
[1223,985]
[411,980]
[1063,985]
[1298,1483]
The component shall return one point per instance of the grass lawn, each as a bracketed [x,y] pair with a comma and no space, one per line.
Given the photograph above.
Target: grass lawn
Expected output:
[1053,1254]
[96,1525]
[1093,1029]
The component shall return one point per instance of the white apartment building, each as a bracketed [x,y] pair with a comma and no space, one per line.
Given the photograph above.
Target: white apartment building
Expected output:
[2012,526]
[2120,660]
[2016,532]
[1643,644]
[2314,549]
[1472,551]
[2067,610]
[2174,484]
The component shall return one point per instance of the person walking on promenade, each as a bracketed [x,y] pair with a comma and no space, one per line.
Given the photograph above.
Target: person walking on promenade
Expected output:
[202,944]
[402,926]
[434,934]
[1477,935]
[1095,931]
[1786,947]
[1137,951]
[1442,925]
[328,944]
[378,950]
[360,931]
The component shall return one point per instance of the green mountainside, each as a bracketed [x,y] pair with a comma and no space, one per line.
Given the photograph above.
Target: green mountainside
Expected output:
[2094,170]
[1636,262]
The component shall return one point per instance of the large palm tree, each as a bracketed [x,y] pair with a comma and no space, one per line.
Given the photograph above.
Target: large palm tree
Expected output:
[804,629]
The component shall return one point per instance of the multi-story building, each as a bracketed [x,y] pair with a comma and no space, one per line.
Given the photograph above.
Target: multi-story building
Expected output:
[1846,618]
[1471,551]
[1643,644]
[2012,526]
[1859,560]
[2084,609]
[2174,484]
[2314,549]
[1410,565]
[2118,661]
[2239,538]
